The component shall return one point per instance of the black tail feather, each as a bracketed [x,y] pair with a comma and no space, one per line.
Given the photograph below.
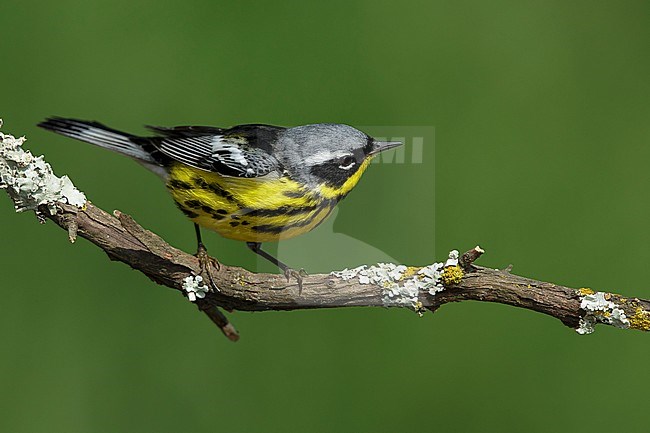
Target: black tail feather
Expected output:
[99,135]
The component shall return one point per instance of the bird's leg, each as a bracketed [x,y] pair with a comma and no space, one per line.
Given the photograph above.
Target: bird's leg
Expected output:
[205,261]
[256,247]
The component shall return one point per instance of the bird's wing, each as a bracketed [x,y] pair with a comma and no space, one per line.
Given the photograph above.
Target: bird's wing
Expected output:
[227,154]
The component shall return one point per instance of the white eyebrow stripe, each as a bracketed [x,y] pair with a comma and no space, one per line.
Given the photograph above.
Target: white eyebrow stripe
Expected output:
[323,156]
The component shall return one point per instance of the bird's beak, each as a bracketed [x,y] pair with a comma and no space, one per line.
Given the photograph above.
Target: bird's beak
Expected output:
[380,146]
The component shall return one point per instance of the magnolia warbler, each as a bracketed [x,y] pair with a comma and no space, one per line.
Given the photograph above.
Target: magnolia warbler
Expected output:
[254,183]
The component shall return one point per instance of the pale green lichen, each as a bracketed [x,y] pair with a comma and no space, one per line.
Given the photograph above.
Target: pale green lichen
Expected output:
[401,285]
[453,258]
[599,308]
[452,275]
[388,276]
[30,181]
[195,288]
[429,278]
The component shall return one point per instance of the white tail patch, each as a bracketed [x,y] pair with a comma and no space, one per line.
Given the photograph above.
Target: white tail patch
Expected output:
[95,133]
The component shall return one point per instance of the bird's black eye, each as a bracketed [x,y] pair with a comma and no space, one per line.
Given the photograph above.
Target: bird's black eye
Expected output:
[347,162]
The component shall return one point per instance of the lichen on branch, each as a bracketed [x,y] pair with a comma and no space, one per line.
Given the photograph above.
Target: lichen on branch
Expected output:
[32,185]
[30,181]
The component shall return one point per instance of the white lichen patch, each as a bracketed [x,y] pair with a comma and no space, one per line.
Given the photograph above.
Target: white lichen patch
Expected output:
[430,278]
[599,309]
[30,181]
[453,258]
[194,287]
[400,288]
[348,274]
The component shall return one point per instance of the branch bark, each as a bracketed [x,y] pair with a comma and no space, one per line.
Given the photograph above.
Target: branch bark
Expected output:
[126,241]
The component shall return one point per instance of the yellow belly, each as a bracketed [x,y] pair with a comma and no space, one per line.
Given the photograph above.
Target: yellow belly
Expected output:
[251,210]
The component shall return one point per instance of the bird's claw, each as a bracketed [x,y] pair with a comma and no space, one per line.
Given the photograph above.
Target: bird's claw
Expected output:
[205,263]
[298,275]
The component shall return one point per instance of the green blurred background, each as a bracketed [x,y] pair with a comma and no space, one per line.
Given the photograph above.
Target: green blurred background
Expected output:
[541,152]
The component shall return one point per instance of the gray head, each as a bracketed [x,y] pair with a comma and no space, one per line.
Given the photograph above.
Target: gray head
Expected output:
[328,153]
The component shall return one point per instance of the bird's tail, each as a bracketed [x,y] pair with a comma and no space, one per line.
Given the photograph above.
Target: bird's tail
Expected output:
[99,135]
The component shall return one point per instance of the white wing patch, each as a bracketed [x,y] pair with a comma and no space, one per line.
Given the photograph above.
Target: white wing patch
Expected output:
[230,155]
[220,154]
[218,142]
[227,152]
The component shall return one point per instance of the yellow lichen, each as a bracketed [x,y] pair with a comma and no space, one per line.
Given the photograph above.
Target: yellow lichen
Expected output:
[640,320]
[419,308]
[409,272]
[451,275]
[240,281]
[584,291]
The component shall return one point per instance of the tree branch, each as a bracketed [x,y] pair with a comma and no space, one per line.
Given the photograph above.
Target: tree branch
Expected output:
[382,285]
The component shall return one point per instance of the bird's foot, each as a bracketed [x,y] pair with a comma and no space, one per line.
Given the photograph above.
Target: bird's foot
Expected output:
[298,275]
[205,263]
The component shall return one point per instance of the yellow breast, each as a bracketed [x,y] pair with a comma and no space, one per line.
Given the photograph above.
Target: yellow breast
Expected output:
[251,210]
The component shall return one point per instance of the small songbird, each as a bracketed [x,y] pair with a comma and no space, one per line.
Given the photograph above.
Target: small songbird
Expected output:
[253,183]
